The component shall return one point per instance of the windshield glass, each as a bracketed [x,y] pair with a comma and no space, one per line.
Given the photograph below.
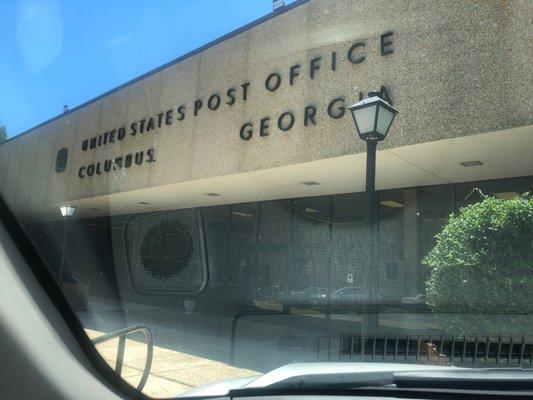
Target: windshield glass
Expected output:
[308,181]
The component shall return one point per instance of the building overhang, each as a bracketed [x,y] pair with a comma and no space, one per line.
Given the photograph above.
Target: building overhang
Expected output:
[503,154]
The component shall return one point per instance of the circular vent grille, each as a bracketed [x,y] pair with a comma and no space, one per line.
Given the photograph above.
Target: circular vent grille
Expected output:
[166,252]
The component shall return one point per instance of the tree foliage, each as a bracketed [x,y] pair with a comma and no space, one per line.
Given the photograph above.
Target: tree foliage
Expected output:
[481,278]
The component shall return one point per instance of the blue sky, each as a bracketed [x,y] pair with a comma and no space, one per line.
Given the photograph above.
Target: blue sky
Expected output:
[54,53]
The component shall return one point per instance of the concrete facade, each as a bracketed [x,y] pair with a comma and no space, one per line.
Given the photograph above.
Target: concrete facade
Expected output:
[452,69]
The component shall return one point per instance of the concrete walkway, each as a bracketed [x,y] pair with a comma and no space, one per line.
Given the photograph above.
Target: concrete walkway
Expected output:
[172,372]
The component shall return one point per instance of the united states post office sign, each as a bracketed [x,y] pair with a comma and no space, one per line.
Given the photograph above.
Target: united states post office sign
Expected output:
[354,53]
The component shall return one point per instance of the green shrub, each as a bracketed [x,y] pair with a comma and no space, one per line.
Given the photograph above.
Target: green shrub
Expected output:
[481,278]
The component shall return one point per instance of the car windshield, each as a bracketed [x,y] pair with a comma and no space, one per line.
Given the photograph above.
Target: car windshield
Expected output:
[222,188]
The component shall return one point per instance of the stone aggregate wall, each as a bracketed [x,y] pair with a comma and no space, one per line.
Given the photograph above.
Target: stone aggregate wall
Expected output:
[452,68]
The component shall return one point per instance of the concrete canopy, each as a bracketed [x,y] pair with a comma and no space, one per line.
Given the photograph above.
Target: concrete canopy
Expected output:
[503,154]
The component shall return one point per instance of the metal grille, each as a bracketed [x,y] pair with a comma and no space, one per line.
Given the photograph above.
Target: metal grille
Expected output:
[441,350]
[166,252]
[466,351]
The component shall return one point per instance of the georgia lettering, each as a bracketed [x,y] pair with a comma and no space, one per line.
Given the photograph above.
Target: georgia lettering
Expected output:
[355,54]
[309,114]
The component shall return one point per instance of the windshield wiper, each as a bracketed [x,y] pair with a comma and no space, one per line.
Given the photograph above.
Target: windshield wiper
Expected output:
[467,378]
[334,375]
[403,376]
[339,377]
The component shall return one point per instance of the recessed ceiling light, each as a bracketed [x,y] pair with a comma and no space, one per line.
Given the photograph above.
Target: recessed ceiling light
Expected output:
[506,195]
[473,163]
[241,214]
[311,210]
[391,203]
[143,202]
[212,194]
[310,183]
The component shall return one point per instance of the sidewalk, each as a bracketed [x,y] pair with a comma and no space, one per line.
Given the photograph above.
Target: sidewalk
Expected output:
[172,372]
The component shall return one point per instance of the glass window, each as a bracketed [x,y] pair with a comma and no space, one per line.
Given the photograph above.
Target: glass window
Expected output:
[435,205]
[471,192]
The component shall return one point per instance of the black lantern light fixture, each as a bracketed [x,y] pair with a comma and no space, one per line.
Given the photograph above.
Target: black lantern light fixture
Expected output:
[67,211]
[373,118]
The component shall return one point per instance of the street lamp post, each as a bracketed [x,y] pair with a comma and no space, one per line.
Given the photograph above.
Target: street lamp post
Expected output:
[373,118]
[66,212]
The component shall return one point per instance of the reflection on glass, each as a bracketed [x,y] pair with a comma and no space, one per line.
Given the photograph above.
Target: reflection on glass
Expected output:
[285,276]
